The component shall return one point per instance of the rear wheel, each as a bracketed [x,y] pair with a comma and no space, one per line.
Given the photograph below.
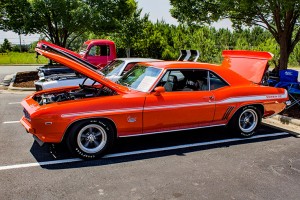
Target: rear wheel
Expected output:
[90,139]
[246,121]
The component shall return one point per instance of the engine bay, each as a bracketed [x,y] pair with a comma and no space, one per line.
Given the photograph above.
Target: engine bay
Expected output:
[85,91]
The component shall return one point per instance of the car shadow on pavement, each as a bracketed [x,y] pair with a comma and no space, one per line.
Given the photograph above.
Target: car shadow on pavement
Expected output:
[60,152]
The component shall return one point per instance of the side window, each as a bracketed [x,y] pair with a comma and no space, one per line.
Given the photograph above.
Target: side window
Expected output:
[216,82]
[99,50]
[185,80]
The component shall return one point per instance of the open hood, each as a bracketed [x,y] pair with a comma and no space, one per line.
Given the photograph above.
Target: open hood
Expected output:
[77,64]
[43,42]
[251,65]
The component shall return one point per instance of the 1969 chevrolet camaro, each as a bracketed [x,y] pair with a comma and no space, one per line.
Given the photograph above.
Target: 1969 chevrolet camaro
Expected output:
[152,97]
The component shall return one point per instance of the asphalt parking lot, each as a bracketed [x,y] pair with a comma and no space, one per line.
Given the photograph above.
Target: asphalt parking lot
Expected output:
[199,164]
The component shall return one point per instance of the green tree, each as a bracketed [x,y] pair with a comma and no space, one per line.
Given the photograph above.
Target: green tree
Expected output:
[14,17]
[6,46]
[279,17]
[131,29]
[62,21]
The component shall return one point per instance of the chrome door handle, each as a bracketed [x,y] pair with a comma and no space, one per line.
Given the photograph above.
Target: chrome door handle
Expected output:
[209,98]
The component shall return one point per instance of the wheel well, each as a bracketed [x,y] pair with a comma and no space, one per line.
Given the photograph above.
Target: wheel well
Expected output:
[82,120]
[260,107]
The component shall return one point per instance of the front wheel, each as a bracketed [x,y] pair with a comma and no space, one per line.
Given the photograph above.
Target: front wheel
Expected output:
[90,139]
[246,121]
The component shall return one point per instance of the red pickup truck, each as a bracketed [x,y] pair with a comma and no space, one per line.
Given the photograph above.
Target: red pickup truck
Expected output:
[97,52]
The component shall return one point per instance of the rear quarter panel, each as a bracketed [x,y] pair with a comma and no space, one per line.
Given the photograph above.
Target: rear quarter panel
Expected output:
[232,98]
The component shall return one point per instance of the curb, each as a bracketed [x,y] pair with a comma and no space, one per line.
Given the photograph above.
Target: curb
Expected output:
[6,65]
[11,87]
[284,123]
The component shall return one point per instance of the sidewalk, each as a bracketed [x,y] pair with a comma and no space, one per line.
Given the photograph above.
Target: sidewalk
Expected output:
[284,123]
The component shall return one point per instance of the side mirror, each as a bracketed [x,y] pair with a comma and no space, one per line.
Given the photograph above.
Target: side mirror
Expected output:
[159,90]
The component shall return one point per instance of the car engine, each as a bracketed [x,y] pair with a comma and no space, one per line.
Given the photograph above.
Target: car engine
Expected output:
[84,92]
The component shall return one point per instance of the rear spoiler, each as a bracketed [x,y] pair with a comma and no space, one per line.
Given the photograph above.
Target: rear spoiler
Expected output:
[247,54]
[189,55]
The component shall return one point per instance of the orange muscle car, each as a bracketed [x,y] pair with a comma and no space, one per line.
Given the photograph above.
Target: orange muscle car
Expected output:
[153,97]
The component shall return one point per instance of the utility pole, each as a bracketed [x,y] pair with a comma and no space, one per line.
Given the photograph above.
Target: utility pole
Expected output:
[20,42]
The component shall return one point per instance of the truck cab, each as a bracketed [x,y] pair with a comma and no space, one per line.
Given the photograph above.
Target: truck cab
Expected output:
[98,52]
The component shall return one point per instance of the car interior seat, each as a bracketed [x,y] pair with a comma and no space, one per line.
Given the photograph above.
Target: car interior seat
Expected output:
[171,83]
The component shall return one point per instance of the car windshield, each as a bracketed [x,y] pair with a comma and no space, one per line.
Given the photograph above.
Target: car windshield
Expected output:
[83,49]
[113,68]
[140,78]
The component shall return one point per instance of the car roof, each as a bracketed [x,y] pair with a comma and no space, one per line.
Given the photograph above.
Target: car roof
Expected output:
[228,75]
[98,40]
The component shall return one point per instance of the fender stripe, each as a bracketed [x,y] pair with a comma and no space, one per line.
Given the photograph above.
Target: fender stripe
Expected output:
[140,109]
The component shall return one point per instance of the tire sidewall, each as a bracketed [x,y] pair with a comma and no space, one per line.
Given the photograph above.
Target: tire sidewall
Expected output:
[73,134]
[236,123]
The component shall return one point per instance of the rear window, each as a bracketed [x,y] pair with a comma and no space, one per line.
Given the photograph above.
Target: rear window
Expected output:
[216,82]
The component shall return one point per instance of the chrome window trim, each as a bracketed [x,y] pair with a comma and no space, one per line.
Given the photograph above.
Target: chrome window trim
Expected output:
[208,78]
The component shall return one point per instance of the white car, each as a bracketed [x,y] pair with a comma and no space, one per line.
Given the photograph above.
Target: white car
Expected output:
[113,71]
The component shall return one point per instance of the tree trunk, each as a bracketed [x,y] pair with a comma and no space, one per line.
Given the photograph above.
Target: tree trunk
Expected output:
[284,54]
[128,52]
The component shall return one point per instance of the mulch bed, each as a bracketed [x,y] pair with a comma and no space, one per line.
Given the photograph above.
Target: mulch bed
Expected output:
[26,79]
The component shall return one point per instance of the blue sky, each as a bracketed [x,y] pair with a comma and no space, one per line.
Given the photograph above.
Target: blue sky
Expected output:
[157,9]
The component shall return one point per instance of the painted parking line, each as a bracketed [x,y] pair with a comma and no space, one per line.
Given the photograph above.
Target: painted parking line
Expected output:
[11,122]
[17,166]
[12,103]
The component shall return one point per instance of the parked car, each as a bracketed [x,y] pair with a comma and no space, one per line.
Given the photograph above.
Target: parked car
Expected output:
[151,98]
[120,66]
[97,52]
[113,71]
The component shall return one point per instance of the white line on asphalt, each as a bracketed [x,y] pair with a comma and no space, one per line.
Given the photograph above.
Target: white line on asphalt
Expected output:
[141,151]
[11,122]
[40,164]
[11,103]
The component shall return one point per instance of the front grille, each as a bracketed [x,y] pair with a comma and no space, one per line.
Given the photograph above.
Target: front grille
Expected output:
[26,114]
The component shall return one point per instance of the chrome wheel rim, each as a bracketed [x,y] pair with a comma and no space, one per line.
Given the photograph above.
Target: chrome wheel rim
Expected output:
[248,120]
[92,138]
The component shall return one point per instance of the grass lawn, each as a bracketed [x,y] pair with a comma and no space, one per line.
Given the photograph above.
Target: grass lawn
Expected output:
[21,58]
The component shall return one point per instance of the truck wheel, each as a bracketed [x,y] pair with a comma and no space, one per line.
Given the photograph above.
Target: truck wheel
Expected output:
[246,121]
[90,139]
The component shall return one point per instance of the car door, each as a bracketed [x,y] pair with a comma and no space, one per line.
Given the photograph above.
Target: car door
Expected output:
[181,108]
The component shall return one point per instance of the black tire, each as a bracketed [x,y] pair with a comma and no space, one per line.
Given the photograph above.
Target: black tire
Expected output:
[246,121]
[90,139]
